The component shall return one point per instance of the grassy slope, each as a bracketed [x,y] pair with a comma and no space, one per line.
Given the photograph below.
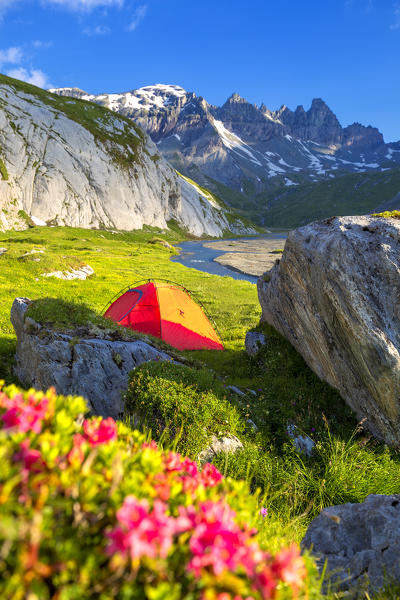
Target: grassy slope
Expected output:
[343,468]
[118,259]
[354,194]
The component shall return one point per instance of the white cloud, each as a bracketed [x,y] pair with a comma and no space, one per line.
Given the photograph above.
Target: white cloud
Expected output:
[33,76]
[11,56]
[396,14]
[84,5]
[365,5]
[97,30]
[138,16]
[40,44]
[4,5]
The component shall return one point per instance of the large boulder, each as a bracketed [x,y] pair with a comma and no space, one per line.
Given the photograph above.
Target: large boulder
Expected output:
[358,541]
[82,362]
[335,295]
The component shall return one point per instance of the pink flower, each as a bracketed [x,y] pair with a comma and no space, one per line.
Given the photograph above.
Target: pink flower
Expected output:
[30,458]
[142,532]
[210,475]
[100,431]
[266,583]
[77,454]
[190,467]
[288,565]
[152,445]
[217,542]
[32,463]
[173,461]
[162,486]
[132,512]
[24,415]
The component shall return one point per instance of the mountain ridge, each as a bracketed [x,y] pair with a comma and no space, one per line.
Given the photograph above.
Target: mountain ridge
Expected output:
[165,110]
[250,154]
[65,161]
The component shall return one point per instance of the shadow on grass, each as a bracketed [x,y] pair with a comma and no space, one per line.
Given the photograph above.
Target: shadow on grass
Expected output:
[66,315]
[7,358]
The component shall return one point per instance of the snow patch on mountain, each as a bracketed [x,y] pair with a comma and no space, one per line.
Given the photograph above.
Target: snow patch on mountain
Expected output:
[234,142]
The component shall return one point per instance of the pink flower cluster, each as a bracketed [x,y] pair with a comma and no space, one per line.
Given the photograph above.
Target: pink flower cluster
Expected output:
[143,532]
[216,543]
[23,415]
[95,432]
[177,468]
[189,473]
[100,431]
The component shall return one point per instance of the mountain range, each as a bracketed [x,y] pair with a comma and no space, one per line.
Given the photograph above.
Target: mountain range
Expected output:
[251,156]
[64,161]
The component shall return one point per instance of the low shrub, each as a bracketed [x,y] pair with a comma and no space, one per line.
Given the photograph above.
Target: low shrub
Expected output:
[176,401]
[388,214]
[93,510]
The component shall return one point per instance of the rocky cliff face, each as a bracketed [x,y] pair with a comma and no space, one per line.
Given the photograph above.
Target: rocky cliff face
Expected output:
[68,162]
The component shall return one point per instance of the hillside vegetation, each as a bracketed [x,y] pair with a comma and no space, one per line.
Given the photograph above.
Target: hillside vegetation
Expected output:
[351,194]
[346,465]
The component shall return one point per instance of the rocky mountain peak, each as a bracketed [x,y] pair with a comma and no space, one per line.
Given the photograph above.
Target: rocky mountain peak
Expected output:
[236,99]
[357,135]
[318,104]
[283,110]
[318,124]
[72,92]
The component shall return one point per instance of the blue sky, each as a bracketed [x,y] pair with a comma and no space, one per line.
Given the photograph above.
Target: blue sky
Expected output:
[278,52]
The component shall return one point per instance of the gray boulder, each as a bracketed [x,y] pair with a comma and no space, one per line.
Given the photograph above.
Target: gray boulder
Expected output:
[303,443]
[97,369]
[361,542]
[254,340]
[227,444]
[335,296]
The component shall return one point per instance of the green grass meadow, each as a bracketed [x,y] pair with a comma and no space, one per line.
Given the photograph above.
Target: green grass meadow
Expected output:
[346,464]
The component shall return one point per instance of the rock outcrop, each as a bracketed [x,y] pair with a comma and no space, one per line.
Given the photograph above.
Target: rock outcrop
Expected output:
[64,161]
[361,542]
[82,273]
[78,362]
[254,341]
[335,296]
[228,444]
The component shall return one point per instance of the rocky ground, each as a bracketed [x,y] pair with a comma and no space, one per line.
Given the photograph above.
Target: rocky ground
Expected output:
[253,257]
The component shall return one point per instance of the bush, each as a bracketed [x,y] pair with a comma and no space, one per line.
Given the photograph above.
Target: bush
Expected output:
[178,401]
[388,214]
[95,511]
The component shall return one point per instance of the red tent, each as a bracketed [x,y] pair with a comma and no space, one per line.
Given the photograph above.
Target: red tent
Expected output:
[167,311]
